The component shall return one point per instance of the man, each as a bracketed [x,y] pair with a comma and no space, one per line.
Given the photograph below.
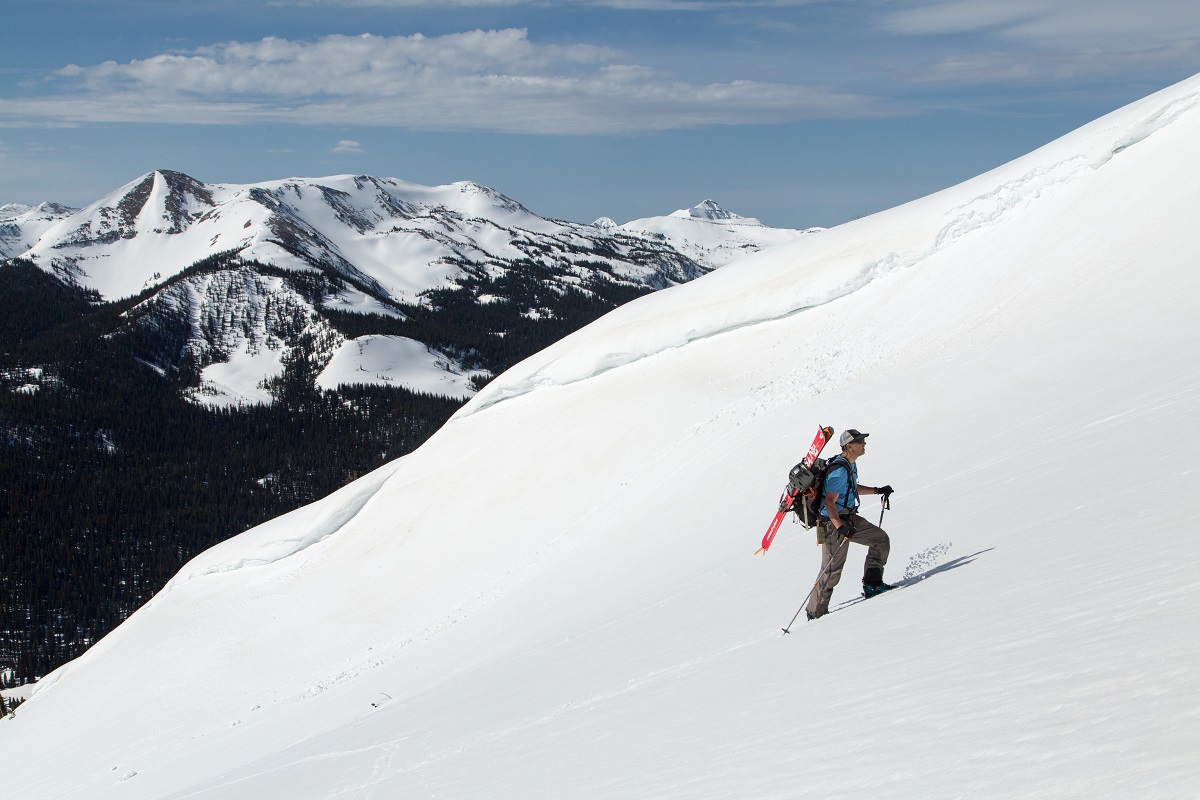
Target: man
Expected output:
[841,523]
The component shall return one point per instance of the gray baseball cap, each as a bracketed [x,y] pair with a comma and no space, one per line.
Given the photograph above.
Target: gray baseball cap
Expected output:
[850,435]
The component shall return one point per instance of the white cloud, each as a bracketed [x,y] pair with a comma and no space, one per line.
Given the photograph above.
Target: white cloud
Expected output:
[406,3]
[629,5]
[1028,68]
[1033,41]
[1061,23]
[959,16]
[364,66]
[348,147]
[476,80]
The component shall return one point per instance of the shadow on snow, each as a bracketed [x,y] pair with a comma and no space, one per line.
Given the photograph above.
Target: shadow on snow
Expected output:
[913,580]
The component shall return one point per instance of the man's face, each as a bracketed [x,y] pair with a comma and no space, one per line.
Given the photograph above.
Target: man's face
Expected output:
[857,448]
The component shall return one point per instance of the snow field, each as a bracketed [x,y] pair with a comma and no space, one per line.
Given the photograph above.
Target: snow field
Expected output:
[556,596]
[388,360]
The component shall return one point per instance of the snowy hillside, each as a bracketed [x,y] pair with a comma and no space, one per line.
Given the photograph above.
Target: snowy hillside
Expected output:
[556,596]
[238,327]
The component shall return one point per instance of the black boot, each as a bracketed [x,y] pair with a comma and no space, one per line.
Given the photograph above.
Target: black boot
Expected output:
[873,583]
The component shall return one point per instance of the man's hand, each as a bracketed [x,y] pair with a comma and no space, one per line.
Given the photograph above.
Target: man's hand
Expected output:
[886,491]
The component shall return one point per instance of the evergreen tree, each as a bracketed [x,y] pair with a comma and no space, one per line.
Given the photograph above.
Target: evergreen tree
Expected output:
[110,480]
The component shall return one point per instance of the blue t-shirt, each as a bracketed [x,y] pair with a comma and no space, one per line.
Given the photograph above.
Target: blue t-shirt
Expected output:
[836,480]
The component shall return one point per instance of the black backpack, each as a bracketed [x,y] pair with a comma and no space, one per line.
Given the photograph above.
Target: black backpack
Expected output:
[808,485]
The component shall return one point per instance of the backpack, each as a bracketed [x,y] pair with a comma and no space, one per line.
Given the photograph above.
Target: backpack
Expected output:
[807,484]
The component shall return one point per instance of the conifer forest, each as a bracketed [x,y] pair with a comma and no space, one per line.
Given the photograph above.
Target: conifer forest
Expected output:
[110,480]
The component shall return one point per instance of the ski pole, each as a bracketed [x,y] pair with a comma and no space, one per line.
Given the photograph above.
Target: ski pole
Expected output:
[884,504]
[801,608]
[822,578]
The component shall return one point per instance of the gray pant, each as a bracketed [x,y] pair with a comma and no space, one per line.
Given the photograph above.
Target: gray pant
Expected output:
[833,558]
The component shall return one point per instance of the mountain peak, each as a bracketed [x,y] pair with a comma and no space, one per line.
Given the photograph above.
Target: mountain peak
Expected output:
[21,226]
[709,211]
[10,210]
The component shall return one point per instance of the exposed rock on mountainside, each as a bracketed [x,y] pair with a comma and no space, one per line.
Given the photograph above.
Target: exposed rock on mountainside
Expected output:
[382,250]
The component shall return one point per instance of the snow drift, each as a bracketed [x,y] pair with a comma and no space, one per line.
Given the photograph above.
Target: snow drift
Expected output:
[556,597]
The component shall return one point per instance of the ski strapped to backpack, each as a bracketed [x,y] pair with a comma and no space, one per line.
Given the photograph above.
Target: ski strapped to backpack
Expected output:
[808,482]
[796,487]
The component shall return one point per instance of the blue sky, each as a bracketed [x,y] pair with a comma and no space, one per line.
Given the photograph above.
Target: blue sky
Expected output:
[804,112]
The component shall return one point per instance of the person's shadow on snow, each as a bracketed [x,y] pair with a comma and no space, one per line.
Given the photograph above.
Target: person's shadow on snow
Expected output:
[911,579]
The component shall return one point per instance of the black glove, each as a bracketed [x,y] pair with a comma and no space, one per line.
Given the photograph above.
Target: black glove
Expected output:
[886,491]
[847,529]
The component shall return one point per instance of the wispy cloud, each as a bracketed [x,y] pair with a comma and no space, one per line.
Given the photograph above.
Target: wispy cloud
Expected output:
[410,3]
[477,80]
[348,147]
[959,16]
[1094,21]
[629,5]
[1037,41]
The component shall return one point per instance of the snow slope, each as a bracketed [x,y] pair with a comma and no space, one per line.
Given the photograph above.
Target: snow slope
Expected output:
[395,360]
[556,597]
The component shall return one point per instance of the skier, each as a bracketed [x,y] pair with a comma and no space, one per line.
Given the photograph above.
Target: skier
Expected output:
[841,523]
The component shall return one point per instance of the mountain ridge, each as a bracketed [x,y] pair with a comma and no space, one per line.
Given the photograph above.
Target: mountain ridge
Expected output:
[271,214]
[374,245]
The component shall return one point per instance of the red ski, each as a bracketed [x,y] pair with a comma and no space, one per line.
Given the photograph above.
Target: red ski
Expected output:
[789,497]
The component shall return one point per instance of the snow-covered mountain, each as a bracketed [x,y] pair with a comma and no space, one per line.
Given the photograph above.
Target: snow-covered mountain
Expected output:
[22,226]
[394,240]
[708,233]
[556,596]
[379,243]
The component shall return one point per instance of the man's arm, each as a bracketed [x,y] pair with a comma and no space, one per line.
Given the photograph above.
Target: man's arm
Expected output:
[831,499]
